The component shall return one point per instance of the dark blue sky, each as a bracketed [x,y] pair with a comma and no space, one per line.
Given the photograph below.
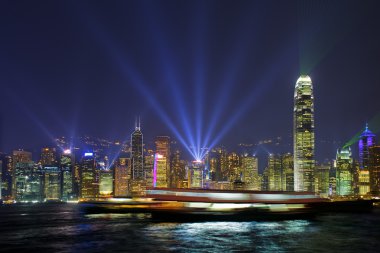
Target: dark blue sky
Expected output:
[89,67]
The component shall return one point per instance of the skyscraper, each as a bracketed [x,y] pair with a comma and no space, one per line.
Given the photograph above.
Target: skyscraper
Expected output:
[250,176]
[51,174]
[48,157]
[177,170]
[287,166]
[195,176]
[89,181]
[27,179]
[159,171]
[163,169]
[374,169]
[105,182]
[6,176]
[274,172]
[122,177]
[303,135]
[322,179]
[137,153]
[365,142]
[66,164]
[344,172]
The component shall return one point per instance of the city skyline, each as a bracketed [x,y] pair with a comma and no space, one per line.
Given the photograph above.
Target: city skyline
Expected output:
[223,94]
[189,126]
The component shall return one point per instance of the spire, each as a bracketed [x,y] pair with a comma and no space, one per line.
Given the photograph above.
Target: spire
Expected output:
[366,126]
[135,123]
[139,123]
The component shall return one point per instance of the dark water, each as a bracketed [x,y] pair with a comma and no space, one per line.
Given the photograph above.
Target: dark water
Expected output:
[64,228]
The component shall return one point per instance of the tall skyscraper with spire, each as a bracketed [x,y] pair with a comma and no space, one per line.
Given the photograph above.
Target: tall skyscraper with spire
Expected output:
[137,153]
[303,134]
[367,139]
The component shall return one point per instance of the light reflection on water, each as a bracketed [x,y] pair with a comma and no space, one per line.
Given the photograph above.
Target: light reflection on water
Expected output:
[230,236]
[64,228]
[118,216]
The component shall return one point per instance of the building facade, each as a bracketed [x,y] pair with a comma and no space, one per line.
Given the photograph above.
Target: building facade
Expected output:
[137,154]
[303,134]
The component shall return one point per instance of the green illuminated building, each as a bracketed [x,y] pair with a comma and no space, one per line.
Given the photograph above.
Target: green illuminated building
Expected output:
[344,172]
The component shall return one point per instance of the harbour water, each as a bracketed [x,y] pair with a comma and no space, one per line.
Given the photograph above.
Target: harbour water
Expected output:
[66,228]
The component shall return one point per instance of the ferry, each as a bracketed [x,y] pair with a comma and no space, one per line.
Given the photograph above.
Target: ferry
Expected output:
[171,204]
[200,204]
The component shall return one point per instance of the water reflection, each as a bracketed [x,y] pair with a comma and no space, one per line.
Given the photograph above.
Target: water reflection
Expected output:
[228,236]
[139,216]
[62,228]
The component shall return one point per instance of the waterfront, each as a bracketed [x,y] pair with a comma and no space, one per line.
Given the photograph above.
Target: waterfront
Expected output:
[65,228]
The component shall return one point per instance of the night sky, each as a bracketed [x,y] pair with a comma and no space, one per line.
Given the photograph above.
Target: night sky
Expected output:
[187,68]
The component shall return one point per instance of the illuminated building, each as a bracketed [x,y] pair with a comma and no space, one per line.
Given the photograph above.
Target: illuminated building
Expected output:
[19,160]
[234,168]
[213,165]
[138,188]
[265,180]
[122,174]
[364,182]
[6,177]
[195,174]
[137,154]
[51,174]
[159,171]
[374,169]
[322,179]
[67,175]
[48,157]
[344,172]
[163,148]
[89,184]
[250,172]
[28,182]
[287,166]
[27,179]
[178,170]
[105,183]
[218,165]
[274,172]
[303,135]
[332,181]
[366,141]
[52,182]
[76,175]
[148,166]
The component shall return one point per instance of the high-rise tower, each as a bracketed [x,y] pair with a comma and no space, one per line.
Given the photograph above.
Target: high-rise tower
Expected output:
[344,172]
[137,153]
[303,135]
[163,161]
[365,142]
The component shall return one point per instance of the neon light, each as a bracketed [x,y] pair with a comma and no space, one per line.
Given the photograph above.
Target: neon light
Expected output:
[156,157]
[88,154]
[67,151]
